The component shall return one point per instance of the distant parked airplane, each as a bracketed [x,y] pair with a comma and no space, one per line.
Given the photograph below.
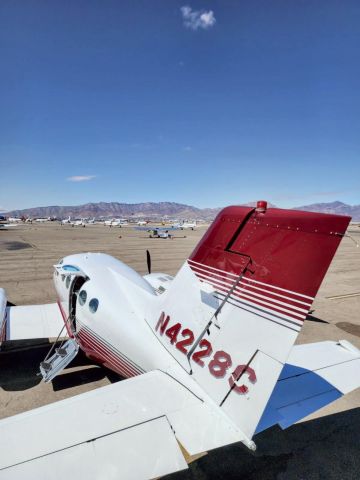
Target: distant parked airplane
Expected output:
[188,225]
[185,225]
[79,223]
[4,226]
[14,220]
[116,222]
[157,232]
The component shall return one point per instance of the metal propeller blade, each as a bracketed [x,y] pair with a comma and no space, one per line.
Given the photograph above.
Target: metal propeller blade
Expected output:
[148,261]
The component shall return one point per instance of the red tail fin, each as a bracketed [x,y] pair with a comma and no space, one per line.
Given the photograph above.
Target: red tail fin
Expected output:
[264,267]
[289,249]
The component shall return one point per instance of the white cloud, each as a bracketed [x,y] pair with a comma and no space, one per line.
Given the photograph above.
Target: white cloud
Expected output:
[195,19]
[80,178]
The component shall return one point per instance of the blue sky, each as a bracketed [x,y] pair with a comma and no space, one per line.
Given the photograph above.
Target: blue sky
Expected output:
[222,102]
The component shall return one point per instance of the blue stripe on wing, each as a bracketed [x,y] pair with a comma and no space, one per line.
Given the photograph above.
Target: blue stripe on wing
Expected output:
[297,393]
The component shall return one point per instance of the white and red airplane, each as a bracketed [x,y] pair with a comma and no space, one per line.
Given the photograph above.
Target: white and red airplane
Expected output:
[209,355]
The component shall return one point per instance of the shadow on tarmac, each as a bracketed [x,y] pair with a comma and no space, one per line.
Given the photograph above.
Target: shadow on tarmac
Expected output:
[312,318]
[324,448]
[20,362]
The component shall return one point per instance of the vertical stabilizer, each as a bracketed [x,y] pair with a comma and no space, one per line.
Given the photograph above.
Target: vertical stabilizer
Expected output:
[237,305]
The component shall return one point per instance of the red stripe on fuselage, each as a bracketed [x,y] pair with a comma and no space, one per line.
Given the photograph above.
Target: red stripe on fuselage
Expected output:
[92,349]
[113,351]
[93,346]
[89,342]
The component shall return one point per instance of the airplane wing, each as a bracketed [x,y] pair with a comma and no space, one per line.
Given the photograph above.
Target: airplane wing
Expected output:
[29,321]
[134,429]
[315,375]
[141,428]
[33,321]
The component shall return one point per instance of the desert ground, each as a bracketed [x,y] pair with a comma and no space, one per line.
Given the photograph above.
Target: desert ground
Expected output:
[324,445]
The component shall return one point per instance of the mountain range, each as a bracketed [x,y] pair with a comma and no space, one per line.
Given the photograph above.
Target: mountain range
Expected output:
[158,210]
[122,210]
[339,208]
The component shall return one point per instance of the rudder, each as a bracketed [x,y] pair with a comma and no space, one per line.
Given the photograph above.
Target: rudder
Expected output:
[236,307]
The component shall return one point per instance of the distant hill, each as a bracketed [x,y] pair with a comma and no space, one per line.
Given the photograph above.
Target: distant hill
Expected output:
[339,208]
[116,209]
[162,209]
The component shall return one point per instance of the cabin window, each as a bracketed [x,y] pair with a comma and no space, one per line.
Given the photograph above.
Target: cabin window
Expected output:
[67,281]
[93,305]
[82,297]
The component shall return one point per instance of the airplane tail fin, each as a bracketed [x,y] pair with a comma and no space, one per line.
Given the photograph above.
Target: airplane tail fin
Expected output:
[234,310]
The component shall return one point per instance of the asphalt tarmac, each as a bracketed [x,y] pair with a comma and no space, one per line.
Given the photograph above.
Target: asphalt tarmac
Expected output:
[324,445]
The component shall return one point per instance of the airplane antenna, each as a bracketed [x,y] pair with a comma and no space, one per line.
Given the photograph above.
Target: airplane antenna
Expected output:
[148,261]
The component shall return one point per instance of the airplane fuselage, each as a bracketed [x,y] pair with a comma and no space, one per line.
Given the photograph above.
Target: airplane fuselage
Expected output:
[108,311]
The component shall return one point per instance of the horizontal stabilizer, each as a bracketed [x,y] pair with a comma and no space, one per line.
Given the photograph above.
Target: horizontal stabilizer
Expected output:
[127,430]
[315,375]
[131,454]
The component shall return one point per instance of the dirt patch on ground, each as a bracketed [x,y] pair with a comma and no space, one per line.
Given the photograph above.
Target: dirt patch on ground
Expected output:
[16,245]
